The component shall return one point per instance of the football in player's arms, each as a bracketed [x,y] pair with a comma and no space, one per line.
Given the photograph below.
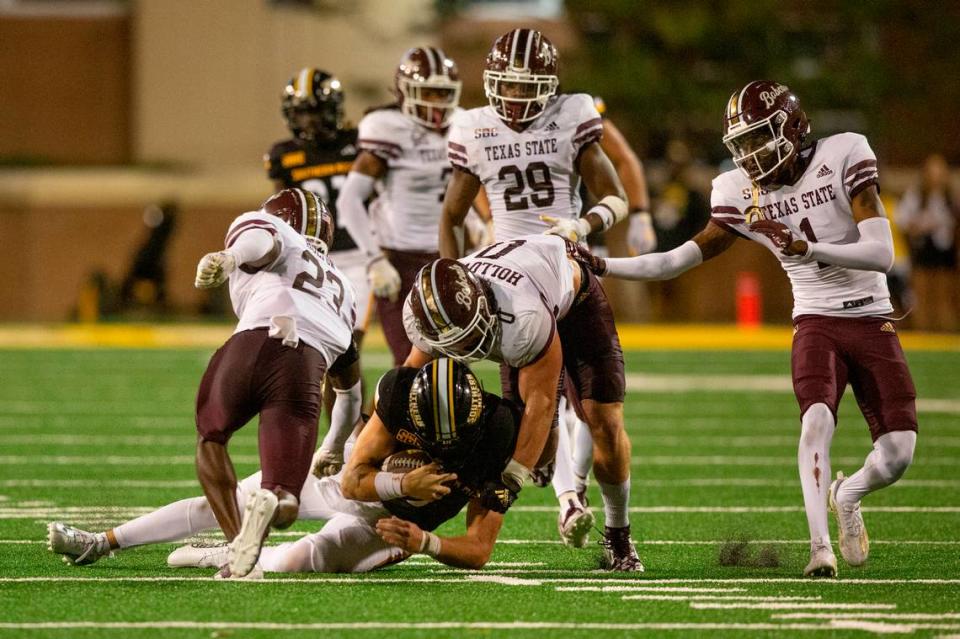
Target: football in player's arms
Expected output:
[471,442]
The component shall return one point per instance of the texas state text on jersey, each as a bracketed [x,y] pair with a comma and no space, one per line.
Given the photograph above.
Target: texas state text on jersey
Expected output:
[816,207]
[528,173]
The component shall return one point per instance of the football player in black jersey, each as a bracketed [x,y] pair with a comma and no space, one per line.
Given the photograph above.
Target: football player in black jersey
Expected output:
[317,158]
[440,409]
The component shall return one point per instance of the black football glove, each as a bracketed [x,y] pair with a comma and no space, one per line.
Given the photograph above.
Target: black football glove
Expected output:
[497,497]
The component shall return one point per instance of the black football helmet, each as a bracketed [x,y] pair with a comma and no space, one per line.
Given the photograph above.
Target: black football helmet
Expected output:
[446,406]
[312,105]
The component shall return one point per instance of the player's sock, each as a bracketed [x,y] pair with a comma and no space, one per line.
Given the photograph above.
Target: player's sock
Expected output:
[886,463]
[616,502]
[563,480]
[813,460]
[346,412]
[171,523]
[582,442]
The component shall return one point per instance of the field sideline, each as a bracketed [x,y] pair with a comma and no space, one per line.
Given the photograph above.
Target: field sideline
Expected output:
[93,435]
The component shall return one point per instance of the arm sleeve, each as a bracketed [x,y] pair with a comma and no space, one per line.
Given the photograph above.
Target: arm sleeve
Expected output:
[376,135]
[458,148]
[872,252]
[589,123]
[253,237]
[860,168]
[656,266]
[353,214]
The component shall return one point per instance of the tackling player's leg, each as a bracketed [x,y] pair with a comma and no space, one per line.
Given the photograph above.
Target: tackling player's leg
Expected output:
[574,521]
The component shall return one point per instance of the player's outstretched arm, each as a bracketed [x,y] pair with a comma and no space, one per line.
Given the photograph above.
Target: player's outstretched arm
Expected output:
[537,384]
[872,252]
[471,550]
[256,247]
[709,242]
[461,193]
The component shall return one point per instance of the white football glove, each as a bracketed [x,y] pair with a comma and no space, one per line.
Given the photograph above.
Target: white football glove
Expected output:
[214,269]
[573,230]
[384,279]
[326,463]
[514,475]
[641,238]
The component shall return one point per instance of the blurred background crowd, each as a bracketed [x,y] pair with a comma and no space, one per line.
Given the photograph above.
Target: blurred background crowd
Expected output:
[132,132]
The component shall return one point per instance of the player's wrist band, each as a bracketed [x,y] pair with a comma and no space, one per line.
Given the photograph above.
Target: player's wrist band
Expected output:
[388,485]
[610,210]
[429,544]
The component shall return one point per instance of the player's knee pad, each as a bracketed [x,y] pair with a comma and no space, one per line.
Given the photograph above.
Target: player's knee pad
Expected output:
[896,453]
[817,426]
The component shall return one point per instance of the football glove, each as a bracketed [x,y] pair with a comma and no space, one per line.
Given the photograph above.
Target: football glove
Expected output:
[497,497]
[384,279]
[326,463]
[782,237]
[514,475]
[641,237]
[597,265]
[214,269]
[571,229]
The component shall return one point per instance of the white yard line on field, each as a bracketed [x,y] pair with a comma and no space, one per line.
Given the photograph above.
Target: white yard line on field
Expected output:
[647,597]
[893,616]
[792,605]
[643,588]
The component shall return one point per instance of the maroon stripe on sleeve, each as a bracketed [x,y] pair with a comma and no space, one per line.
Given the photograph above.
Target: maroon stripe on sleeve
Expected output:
[233,234]
[859,176]
[727,220]
[858,166]
[588,124]
[457,147]
[725,209]
[590,136]
[453,157]
[384,143]
[726,227]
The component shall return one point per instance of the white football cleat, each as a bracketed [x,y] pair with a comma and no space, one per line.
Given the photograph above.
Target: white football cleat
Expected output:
[78,547]
[199,555]
[823,563]
[574,524]
[244,550]
[854,543]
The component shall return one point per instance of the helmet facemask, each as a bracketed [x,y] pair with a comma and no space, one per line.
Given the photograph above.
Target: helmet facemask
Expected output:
[430,102]
[473,342]
[760,148]
[518,97]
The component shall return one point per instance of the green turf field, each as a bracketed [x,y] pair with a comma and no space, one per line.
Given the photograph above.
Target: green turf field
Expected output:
[93,437]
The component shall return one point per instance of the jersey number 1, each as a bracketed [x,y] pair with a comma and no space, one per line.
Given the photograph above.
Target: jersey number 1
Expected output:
[807,229]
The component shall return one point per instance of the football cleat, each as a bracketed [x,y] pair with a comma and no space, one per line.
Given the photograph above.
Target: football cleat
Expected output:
[619,553]
[199,555]
[854,543]
[244,550]
[78,547]
[823,563]
[574,524]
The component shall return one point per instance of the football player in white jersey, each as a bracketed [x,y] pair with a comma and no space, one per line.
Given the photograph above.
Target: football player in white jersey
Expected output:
[296,314]
[360,536]
[528,150]
[526,304]
[404,147]
[816,206]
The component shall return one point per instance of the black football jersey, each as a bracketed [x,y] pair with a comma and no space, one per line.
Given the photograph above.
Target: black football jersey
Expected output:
[317,166]
[500,421]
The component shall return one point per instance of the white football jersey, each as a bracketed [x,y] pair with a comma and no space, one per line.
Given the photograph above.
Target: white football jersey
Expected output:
[528,173]
[816,208]
[532,281]
[301,284]
[406,214]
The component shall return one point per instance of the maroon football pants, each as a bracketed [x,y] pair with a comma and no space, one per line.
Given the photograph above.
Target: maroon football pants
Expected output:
[253,373]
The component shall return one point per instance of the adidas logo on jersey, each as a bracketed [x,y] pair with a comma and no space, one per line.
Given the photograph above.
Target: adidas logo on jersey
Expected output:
[824,171]
[887,327]
[553,126]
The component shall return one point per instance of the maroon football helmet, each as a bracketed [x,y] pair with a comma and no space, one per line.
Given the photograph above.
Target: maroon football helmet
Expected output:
[428,86]
[521,75]
[453,311]
[305,212]
[764,127]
